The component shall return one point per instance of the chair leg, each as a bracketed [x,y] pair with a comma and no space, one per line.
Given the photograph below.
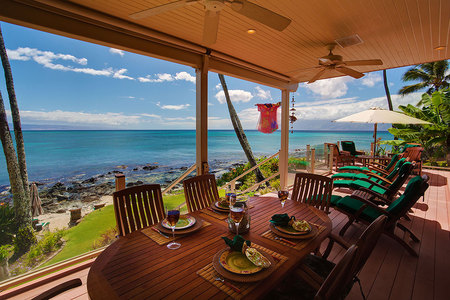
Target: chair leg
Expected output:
[411,234]
[327,251]
[403,243]
[346,226]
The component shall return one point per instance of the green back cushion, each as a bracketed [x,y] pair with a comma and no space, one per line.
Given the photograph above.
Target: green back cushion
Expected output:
[360,183]
[402,173]
[352,168]
[394,172]
[349,175]
[408,146]
[411,194]
[334,199]
[392,162]
[349,146]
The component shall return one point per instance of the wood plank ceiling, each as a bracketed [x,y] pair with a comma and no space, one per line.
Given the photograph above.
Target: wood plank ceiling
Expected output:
[399,32]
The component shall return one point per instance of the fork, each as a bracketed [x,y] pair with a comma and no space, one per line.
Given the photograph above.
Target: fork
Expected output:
[228,284]
[284,240]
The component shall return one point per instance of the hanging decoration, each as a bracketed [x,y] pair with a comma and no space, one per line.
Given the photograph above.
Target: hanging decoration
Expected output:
[292,117]
[267,122]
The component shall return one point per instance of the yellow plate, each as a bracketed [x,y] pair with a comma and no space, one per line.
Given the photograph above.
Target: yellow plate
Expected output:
[238,263]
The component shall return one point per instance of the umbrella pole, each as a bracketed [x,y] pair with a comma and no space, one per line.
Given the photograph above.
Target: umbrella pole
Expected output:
[375,139]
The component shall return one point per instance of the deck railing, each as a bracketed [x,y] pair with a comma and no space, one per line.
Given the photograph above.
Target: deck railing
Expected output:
[176,181]
[232,183]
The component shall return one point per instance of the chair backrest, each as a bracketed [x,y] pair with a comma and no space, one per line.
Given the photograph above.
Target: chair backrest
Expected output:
[349,146]
[200,191]
[392,163]
[414,153]
[396,169]
[409,145]
[415,189]
[138,207]
[337,282]
[368,240]
[313,189]
[403,174]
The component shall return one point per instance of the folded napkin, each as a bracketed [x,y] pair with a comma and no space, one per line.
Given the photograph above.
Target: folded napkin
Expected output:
[237,243]
[281,219]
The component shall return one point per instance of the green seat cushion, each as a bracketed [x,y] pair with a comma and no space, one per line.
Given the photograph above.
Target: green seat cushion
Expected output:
[360,183]
[353,168]
[352,205]
[342,183]
[334,199]
[349,175]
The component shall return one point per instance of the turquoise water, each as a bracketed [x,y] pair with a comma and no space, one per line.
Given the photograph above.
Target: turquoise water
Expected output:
[55,155]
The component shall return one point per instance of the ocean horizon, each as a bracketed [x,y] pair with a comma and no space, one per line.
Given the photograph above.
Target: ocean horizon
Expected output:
[61,155]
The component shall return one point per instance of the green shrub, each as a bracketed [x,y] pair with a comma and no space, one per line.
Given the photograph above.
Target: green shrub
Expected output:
[24,239]
[50,242]
[5,253]
[106,238]
[298,163]
[6,223]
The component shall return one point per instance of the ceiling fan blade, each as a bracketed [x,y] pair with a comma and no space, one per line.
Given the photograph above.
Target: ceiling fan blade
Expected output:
[160,9]
[260,14]
[317,76]
[210,27]
[366,62]
[325,61]
[349,72]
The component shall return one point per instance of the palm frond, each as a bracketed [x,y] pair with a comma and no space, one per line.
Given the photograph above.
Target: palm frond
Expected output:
[412,88]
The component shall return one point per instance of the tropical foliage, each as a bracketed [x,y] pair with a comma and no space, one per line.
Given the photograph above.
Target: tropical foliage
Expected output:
[435,138]
[432,76]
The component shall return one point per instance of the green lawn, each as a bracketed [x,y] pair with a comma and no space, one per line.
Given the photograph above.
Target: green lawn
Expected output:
[80,238]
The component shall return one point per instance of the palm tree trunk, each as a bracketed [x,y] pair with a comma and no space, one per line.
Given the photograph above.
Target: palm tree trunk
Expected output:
[15,116]
[239,131]
[22,205]
[386,88]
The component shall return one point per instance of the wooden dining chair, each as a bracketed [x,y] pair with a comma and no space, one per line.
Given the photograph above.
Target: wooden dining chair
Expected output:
[200,192]
[342,158]
[138,207]
[313,189]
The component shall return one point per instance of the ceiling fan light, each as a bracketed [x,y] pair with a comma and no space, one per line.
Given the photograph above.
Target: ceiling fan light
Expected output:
[251,31]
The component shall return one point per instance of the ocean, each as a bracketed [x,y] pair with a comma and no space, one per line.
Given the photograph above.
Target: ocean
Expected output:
[63,155]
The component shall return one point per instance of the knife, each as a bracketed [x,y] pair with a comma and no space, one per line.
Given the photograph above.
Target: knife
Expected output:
[159,231]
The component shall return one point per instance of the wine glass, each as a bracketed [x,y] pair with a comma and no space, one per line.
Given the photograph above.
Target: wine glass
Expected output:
[172,218]
[237,212]
[232,199]
[283,195]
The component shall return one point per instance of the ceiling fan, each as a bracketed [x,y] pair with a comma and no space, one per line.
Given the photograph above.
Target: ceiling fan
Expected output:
[212,13]
[335,62]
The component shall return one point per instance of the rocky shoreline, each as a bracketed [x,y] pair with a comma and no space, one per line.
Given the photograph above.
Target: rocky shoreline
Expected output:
[83,191]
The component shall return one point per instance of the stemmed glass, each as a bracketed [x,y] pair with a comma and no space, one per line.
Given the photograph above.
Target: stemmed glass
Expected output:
[283,195]
[172,218]
[236,214]
[232,199]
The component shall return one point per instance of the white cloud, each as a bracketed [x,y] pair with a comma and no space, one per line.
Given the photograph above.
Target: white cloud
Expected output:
[338,108]
[151,116]
[119,74]
[235,95]
[72,117]
[185,76]
[180,119]
[165,77]
[173,107]
[333,87]
[47,60]
[218,86]
[371,79]
[210,104]
[263,94]
[116,51]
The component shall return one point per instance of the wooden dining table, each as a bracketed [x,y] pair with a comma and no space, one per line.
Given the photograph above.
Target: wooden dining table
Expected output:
[136,267]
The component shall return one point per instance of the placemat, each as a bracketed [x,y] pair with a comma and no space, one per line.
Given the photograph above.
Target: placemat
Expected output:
[300,244]
[159,239]
[215,214]
[209,274]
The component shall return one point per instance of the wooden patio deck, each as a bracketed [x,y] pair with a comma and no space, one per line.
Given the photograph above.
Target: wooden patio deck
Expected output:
[390,272]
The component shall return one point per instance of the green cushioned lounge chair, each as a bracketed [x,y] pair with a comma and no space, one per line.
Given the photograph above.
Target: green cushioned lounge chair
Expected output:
[360,209]
[379,193]
[374,167]
[349,177]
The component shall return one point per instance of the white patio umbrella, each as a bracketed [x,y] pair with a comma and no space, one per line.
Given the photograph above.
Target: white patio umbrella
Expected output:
[379,115]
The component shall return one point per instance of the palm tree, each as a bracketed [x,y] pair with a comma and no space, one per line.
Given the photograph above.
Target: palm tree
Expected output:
[239,131]
[431,75]
[386,89]
[16,164]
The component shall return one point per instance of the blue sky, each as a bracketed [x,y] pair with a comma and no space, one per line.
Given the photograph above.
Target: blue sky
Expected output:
[70,84]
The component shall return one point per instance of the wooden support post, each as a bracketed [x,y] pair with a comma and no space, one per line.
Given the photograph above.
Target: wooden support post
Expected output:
[202,117]
[313,160]
[120,181]
[284,151]
[325,153]
[331,158]
[308,152]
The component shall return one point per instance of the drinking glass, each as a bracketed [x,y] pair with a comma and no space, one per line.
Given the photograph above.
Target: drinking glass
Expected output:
[172,218]
[232,198]
[237,212]
[283,195]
